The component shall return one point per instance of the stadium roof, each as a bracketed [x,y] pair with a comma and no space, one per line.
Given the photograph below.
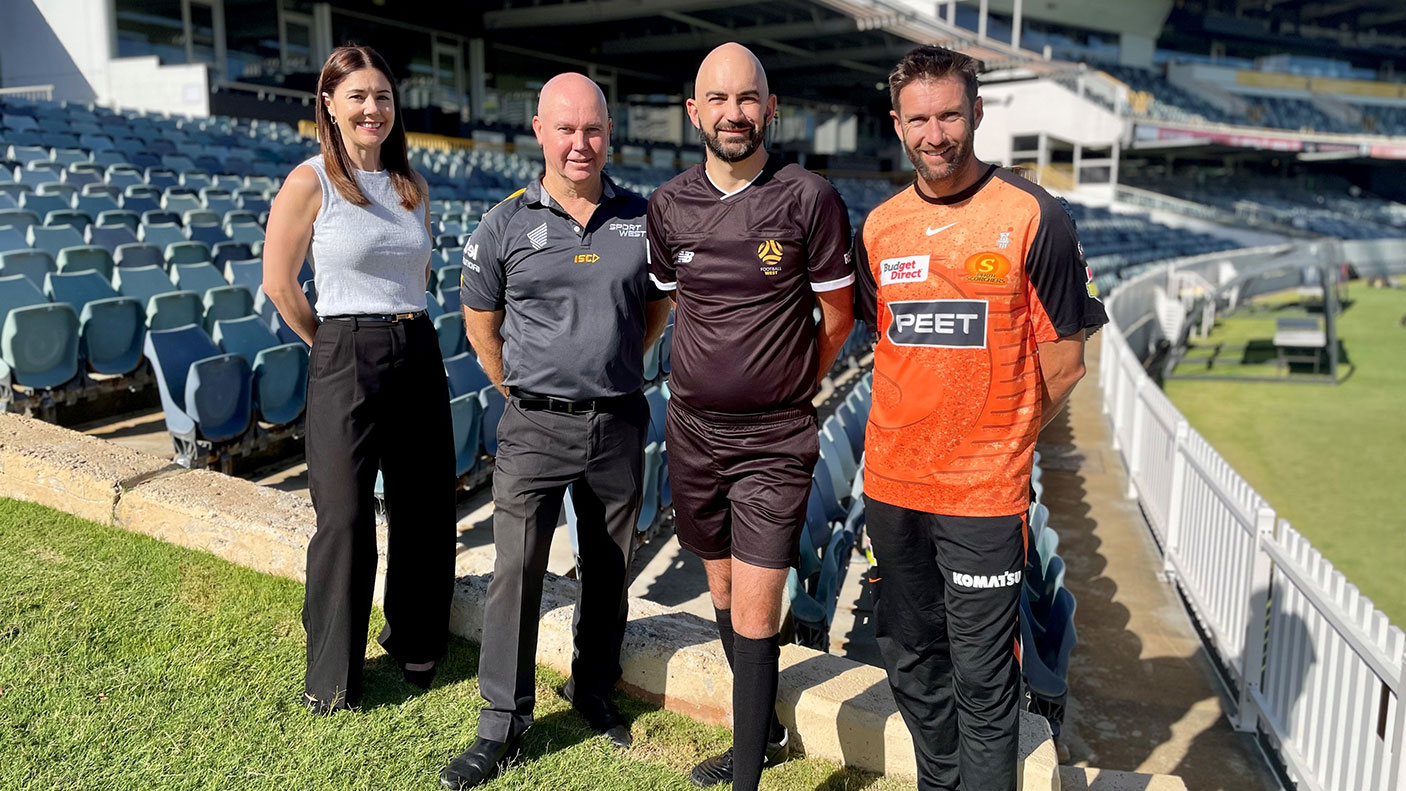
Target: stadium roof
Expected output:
[820,50]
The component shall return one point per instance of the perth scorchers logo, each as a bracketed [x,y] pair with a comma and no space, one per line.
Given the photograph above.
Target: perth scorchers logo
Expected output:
[770,253]
[988,268]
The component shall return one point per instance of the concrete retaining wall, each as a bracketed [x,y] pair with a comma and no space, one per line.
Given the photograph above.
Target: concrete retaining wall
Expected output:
[840,709]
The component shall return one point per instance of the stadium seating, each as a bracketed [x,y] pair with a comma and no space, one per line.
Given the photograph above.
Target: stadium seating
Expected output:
[38,340]
[206,395]
[280,370]
[33,264]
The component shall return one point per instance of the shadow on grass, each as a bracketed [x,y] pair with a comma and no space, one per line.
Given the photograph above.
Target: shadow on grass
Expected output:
[384,685]
[844,779]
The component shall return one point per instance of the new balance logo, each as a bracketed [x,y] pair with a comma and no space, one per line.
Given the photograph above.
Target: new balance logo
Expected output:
[538,236]
[982,581]
[684,256]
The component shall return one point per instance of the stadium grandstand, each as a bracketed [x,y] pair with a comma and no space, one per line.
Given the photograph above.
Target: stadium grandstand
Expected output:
[1216,155]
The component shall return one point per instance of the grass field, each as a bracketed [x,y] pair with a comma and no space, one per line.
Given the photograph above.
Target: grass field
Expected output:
[1330,459]
[126,663]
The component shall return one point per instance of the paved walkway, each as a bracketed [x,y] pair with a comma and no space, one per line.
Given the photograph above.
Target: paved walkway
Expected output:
[1142,689]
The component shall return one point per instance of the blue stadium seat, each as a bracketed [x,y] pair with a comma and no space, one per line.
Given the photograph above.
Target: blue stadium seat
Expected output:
[52,240]
[141,282]
[449,297]
[247,232]
[649,497]
[162,235]
[651,362]
[492,403]
[19,219]
[33,264]
[227,302]
[187,253]
[449,327]
[200,217]
[1044,660]
[464,374]
[78,288]
[111,332]
[249,274]
[466,415]
[39,344]
[211,235]
[198,277]
[110,237]
[171,309]
[42,203]
[280,369]
[658,407]
[835,432]
[138,255]
[284,332]
[433,309]
[814,586]
[18,291]
[72,218]
[205,395]
[225,252]
[93,205]
[85,258]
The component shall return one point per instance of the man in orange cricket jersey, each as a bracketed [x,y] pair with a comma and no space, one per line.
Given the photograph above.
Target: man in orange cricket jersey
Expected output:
[975,282]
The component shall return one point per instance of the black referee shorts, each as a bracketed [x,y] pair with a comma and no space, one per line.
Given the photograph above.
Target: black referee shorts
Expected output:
[740,482]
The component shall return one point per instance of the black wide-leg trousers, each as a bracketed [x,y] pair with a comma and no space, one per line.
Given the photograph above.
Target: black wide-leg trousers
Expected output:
[377,397]
[600,455]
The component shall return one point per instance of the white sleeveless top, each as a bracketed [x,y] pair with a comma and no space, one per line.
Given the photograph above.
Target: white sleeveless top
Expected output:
[367,259]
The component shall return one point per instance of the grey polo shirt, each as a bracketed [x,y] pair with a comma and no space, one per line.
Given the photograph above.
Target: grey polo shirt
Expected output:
[573,296]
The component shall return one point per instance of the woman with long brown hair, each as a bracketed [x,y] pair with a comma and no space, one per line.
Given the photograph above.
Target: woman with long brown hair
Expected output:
[377,395]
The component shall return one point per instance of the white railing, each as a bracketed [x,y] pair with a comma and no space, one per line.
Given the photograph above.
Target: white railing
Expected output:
[34,93]
[1307,660]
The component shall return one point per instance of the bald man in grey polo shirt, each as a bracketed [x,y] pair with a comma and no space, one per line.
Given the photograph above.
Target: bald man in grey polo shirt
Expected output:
[559,308]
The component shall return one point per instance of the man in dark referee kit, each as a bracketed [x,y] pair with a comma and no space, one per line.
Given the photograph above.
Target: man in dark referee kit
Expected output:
[748,246]
[558,307]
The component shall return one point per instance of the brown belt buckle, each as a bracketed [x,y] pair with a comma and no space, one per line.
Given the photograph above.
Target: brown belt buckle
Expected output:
[397,318]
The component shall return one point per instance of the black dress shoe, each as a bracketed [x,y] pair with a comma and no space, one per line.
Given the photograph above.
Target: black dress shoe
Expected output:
[475,765]
[718,769]
[419,678]
[601,715]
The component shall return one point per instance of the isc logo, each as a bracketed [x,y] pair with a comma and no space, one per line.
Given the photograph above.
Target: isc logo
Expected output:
[586,258]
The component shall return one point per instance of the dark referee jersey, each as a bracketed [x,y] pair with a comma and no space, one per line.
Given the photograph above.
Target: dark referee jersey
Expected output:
[746,266]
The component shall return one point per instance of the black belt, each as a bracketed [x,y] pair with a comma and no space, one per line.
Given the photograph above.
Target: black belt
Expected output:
[531,401]
[383,318]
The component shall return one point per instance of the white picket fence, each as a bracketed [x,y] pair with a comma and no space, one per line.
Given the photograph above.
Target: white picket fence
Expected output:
[1308,661]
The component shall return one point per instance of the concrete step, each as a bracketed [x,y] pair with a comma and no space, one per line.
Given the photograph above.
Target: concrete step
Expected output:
[1080,778]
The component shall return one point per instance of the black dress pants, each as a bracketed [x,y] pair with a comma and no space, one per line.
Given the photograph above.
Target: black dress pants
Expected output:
[377,397]
[601,456]
[945,615]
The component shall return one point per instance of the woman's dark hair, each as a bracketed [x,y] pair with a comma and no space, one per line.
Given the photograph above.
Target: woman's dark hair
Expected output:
[394,158]
[929,63]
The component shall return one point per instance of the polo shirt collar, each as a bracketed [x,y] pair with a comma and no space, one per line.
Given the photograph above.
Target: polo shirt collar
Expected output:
[537,195]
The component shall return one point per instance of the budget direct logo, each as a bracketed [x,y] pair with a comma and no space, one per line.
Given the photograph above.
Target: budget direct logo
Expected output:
[770,253]
[989,268]
[908,269]
[938,323]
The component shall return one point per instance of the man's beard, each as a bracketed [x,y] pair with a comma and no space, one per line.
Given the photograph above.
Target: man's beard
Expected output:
[960,153]
[733,152]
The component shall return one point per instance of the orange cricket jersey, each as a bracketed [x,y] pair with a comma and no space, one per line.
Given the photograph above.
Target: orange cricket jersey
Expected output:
[960,291]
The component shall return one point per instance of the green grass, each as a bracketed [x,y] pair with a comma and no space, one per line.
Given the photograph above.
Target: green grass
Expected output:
[126,663]
[1330,459]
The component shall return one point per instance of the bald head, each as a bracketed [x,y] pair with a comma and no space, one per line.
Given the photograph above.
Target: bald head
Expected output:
[732,104]
[573,126]
[733,68]
[571,90]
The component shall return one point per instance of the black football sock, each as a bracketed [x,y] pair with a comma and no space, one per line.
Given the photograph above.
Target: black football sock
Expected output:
[775,732]
[754,682]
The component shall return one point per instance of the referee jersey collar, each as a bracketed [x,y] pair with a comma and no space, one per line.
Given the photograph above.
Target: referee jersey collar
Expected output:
[537,195]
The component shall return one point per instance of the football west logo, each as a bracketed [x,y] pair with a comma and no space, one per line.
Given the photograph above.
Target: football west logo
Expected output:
[988,268]
[770,253]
